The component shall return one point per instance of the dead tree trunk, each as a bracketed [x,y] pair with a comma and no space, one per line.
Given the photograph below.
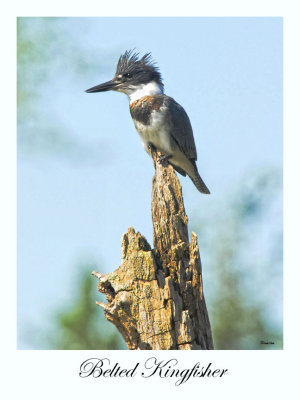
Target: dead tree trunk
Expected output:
[155,298]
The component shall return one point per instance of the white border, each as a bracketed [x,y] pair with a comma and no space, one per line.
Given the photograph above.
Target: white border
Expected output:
[45,374]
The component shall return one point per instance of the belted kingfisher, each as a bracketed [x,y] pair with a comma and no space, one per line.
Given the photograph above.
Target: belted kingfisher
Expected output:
[159,120]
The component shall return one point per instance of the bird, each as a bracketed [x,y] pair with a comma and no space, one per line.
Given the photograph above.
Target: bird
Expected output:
[160,121]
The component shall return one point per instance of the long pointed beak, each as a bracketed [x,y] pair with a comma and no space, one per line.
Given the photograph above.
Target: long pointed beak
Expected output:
[104,87]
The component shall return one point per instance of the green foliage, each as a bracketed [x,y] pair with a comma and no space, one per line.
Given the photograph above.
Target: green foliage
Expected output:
[241,249]
[45,50]
[47,57]
[83,326]
[243,287]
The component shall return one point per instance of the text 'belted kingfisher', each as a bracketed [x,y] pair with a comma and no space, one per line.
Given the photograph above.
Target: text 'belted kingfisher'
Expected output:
[159,120]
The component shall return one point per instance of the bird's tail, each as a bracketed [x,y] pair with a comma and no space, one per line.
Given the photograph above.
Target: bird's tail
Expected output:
[198,182]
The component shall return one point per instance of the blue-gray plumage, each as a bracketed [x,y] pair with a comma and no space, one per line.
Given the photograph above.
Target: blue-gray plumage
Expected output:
[159,120]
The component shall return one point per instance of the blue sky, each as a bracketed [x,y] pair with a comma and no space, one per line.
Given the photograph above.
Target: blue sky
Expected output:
[225,72]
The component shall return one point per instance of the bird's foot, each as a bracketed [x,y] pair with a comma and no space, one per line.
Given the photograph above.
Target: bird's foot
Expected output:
[163,158]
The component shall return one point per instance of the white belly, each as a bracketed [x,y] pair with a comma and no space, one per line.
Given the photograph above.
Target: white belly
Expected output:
[155,133]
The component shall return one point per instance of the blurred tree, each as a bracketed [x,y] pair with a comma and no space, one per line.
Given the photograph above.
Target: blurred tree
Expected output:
[243,272]
[47,54]
[82,326]
[243,247]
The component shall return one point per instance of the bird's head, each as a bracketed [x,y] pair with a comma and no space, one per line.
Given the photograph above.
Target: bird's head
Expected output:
[134,76]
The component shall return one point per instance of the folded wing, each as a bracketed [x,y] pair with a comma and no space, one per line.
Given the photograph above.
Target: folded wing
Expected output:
[181,129]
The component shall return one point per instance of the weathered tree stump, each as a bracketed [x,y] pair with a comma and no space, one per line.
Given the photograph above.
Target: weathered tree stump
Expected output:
[155,298]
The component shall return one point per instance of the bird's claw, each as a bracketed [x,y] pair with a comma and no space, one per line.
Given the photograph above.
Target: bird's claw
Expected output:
[164,157]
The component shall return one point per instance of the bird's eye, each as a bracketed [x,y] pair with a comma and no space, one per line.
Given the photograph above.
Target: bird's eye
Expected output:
[128,75]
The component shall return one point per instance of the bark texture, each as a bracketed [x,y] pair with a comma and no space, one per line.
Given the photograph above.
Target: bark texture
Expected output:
[155,298]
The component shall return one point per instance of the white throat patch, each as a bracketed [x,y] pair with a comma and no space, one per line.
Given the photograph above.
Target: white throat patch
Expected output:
[148,89]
